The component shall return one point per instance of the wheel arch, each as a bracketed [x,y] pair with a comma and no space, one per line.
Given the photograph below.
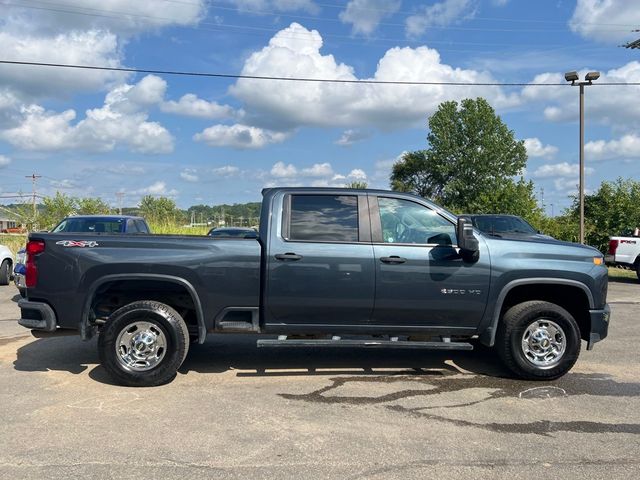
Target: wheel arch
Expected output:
[86,329]
[548,289]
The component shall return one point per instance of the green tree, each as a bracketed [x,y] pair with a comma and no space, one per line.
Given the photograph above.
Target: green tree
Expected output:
[515,198]
[470,163]
[614,209]
[160,210]
[55,209]
[92,206]
[358,185]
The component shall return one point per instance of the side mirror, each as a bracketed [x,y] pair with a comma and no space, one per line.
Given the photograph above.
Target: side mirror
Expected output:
[468,243]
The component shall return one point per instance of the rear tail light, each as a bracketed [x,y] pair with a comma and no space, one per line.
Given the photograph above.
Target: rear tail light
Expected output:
[34,247]
[613,246]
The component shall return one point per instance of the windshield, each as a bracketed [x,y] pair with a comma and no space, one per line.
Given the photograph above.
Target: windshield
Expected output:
[90,225]
[503,224]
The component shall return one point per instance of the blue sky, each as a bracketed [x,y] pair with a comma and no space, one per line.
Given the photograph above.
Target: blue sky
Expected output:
[211,140]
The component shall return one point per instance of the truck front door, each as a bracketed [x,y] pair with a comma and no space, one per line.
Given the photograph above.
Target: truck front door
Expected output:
[422,283]
[320,268]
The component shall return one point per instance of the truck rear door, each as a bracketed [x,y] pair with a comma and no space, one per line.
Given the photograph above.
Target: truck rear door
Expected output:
[319,266]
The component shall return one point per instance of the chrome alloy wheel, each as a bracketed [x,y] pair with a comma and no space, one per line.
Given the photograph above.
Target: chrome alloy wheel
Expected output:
[544,343]
[141,346]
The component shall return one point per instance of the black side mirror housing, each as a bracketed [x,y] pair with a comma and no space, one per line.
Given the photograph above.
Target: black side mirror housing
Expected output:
[467,242]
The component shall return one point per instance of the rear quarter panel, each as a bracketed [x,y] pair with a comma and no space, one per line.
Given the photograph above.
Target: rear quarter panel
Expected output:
[222,272]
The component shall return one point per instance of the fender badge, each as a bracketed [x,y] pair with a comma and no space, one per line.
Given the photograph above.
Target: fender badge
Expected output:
[75,243]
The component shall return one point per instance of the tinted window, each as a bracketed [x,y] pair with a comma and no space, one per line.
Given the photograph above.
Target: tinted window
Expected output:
[324,218]
[142,227]
[404,221]
[131,227]
[88,225]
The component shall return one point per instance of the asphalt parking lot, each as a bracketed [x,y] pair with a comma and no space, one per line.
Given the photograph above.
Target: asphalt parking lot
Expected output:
[238,412]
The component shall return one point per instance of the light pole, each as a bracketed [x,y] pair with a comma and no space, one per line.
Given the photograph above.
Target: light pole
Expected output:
[588,80]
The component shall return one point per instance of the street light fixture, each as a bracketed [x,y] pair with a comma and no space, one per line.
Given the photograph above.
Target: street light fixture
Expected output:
[588,80]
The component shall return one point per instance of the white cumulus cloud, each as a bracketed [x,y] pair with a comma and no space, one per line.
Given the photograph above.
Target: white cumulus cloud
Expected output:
[189,175]
[439,15]
[4,161]
[563,169]
[238,136]
[608,105]
[607,21]
[625,147]
[122,120]
[225,171]
[351,136]
[273,105]
[192,106]
[535,148]
[156,188]
[365,15]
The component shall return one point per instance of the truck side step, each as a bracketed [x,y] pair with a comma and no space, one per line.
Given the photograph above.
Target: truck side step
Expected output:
[236,326]
[369,343]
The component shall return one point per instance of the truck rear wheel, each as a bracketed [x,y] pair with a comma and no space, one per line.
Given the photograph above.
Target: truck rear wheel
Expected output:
[538,340]
[143,344]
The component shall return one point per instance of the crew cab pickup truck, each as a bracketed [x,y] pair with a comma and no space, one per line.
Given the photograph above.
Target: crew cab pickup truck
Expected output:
[330,267]
[625,252]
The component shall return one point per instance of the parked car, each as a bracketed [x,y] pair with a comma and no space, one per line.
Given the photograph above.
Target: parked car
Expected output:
[102,224]
[392,269]
[233,232]
[83,224]
[19,271]
[506,226]
[6,262]
[625,252]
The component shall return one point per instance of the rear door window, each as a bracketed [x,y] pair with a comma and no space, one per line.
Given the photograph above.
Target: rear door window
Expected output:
[324,218]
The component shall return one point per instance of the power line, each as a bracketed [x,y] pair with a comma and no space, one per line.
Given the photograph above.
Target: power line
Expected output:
[299,79]
[218,27]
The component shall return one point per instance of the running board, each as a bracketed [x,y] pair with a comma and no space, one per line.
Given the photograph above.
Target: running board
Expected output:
[364,343]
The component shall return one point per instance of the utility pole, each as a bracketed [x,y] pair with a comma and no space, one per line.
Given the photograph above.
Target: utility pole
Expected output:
[34,178]
[120,196]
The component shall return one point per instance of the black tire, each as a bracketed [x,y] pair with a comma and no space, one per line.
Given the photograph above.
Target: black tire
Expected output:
[510,334]
[166,322]
[638,268]
[5,272]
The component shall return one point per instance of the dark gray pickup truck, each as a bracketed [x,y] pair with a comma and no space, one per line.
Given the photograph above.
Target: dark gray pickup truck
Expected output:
[331,267]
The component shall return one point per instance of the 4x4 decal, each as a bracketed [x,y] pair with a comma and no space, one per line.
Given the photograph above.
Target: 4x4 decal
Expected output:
[76,243]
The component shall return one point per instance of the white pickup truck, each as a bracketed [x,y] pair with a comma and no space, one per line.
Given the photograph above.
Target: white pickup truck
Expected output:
[625,252]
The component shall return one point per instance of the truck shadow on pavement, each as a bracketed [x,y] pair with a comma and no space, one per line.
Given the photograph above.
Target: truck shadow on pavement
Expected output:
[419,384]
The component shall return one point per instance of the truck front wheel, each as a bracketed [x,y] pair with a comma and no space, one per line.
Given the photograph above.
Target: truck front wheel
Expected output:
[143,344]
[538,340]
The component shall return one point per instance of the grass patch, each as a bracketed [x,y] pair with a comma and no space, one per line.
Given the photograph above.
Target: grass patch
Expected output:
[14,242]
[170,229]
[618,273]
